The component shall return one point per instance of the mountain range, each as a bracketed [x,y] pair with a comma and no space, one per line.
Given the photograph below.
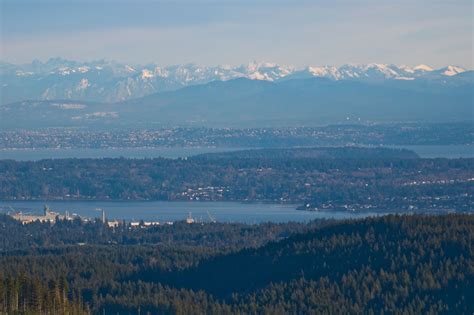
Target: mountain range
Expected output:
[61,93]
[110,81]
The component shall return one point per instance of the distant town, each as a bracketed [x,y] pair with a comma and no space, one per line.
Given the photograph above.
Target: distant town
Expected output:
[350,134]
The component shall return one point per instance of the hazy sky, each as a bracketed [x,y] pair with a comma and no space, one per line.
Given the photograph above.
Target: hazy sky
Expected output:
[235,32]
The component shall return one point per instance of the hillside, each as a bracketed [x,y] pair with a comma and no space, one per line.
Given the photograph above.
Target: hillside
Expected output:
[338,179]
[244,102]
[392,264]
[313,153]
[334,251]
[258,103]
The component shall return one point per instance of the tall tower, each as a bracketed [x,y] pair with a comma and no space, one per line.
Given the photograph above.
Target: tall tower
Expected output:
[46,210]
[103,216]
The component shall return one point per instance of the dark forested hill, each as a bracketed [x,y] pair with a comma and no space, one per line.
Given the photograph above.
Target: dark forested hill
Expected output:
[338,178]
[313,153]
[428,245]
[392,264]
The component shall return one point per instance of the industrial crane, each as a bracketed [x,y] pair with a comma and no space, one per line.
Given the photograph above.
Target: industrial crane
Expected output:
[211,218]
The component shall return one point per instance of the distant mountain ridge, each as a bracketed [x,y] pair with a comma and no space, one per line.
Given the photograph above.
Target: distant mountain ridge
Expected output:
[110,81]
[245,103]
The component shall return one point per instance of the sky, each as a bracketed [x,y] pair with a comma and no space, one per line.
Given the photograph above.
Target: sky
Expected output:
[298,33]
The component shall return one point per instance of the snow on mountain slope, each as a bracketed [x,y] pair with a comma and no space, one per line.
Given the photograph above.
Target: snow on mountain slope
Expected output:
[452,70]
[423,68]
[110,81]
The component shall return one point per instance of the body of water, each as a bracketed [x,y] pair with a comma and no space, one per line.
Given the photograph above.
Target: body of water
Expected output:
[175,211]
[425,151]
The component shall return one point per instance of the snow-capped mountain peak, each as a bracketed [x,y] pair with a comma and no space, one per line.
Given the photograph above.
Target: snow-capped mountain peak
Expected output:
[452,70]
[423,67]
[130,68]
[147,74]
[111,81]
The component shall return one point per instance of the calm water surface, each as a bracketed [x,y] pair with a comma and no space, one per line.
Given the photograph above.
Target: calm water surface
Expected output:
[176,210]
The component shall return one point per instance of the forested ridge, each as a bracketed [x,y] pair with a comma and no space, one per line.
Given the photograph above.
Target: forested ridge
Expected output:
[391,265]
[26,295]
[314,179]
